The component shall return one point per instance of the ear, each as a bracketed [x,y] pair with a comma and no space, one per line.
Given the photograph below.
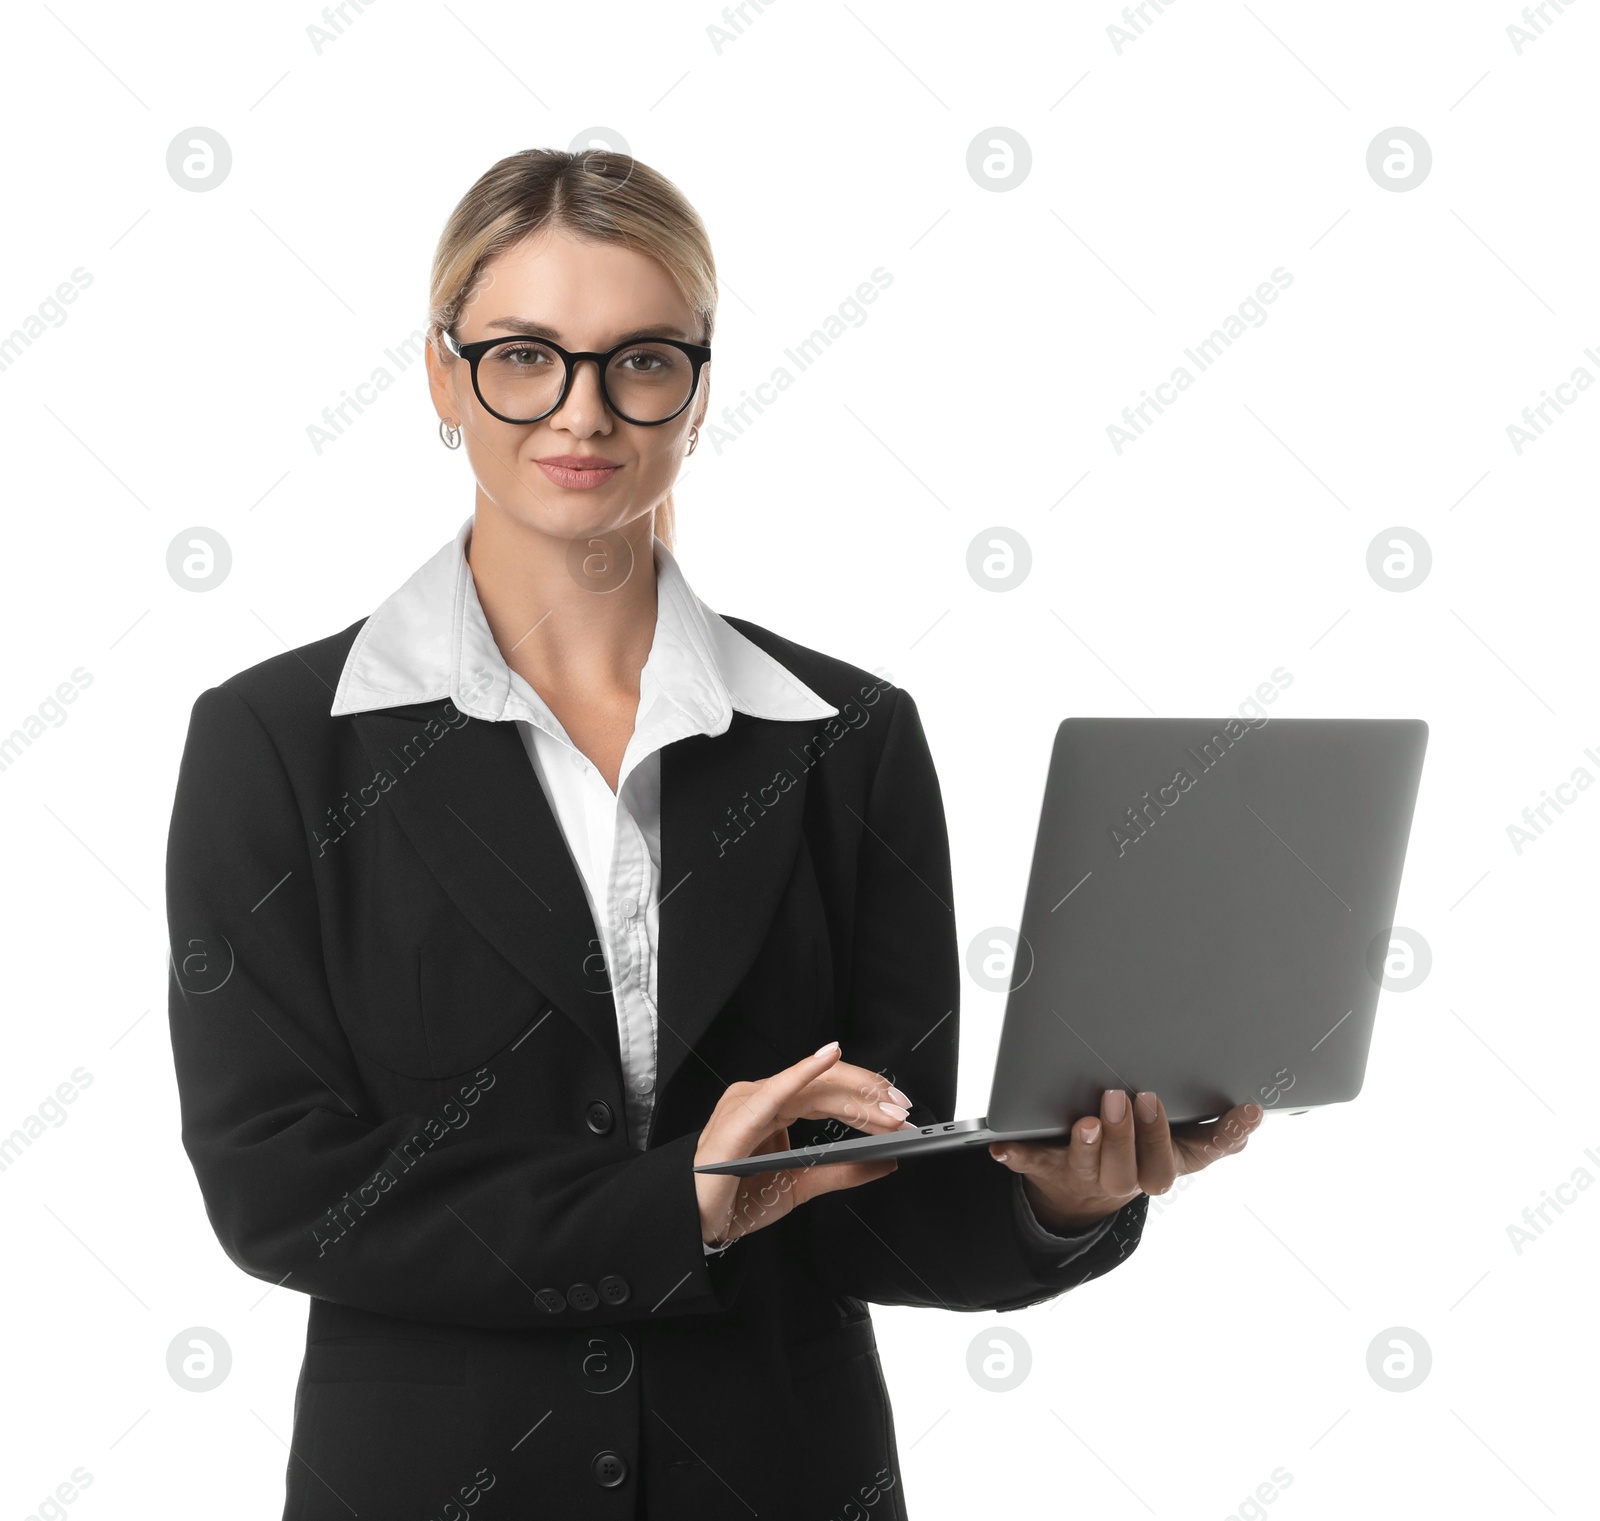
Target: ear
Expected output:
[445,373]
[702,397]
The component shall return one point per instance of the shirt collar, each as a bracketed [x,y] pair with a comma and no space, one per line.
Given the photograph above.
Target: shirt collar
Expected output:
[430,640]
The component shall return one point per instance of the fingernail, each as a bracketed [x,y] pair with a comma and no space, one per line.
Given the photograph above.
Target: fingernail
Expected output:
[1091,1133]
[832,1045]
[1145,1107]
[1252,1111]
[1000,1156]
[894,1111]
[899,1097]
[1116,1105]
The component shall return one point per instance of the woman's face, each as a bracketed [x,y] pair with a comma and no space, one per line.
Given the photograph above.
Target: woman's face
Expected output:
[586,296]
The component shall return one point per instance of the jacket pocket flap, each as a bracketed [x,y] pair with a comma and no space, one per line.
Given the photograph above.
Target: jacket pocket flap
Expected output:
[818,1353]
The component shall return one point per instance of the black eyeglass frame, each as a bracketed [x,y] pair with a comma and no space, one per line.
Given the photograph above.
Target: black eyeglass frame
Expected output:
[698,354]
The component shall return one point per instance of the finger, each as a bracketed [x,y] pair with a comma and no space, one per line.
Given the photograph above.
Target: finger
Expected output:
[762,1105]
[1019,1156]
[872,1088]
[1228,1132]
[1083,1154]
[865,1079]
[769,1196]
[1119,1158]
[815,1181]
[1199,1145]
[865,1100]
[1238,1123]
[862,1103]
[1080,1157]
[1153,1144]
[778,1140]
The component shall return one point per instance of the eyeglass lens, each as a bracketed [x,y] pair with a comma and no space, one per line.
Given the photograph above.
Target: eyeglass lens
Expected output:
[522,379]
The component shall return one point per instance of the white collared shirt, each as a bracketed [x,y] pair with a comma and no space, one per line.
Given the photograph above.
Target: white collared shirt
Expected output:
[430,640]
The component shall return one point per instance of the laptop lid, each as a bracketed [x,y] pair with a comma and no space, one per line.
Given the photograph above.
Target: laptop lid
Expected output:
[1207,914]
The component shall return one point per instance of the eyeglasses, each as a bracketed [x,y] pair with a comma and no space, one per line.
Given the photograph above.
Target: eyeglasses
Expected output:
[647,381]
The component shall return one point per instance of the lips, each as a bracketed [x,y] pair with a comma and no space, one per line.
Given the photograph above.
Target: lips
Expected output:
[578,472]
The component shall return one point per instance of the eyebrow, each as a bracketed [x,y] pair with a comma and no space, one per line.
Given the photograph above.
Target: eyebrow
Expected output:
[527,327]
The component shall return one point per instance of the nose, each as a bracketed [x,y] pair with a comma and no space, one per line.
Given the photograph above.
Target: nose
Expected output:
[584,411]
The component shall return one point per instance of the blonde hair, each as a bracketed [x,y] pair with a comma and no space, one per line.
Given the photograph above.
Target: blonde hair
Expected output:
[599,195]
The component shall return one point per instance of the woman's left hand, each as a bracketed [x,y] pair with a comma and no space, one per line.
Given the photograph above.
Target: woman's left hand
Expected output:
[1129,1149]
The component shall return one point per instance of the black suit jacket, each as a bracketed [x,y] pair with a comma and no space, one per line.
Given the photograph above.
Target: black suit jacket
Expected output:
[401,1092]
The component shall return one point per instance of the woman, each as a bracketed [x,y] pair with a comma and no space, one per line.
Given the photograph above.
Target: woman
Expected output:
[498,911]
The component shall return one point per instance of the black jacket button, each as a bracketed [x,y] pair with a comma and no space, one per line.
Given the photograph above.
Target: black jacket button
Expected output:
[614,1290]
[608,1469]
[598,1114]
[581,1297]
[552,1300]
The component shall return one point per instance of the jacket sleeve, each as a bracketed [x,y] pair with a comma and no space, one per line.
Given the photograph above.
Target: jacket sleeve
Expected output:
[281,1133]
[952,1230]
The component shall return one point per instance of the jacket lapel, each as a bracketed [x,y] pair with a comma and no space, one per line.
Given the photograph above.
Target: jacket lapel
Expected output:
[467,798]
[732,806]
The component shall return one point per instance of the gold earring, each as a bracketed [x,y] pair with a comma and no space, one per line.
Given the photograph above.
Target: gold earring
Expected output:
[694,439]
[449,434]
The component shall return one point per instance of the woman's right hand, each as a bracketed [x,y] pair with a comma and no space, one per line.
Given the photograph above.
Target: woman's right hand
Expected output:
[754,1118]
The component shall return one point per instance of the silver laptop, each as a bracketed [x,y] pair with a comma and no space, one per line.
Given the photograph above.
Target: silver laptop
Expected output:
[1208,916]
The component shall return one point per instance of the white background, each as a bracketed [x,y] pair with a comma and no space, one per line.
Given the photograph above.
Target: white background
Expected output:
[1168,180]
